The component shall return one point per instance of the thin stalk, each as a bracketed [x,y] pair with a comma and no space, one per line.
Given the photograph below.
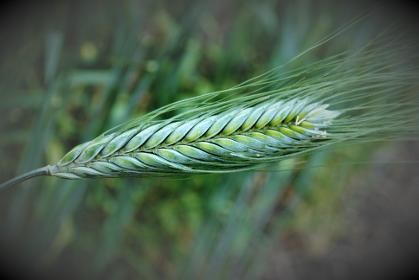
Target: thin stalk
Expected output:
[43,171]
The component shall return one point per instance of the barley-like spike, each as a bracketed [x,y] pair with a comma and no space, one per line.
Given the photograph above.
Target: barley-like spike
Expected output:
[218,141]
[231,140]
[372,93]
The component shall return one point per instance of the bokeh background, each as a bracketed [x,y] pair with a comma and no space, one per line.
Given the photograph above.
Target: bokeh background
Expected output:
[72,69]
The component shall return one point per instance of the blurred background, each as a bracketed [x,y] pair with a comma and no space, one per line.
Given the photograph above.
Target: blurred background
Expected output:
[72,69]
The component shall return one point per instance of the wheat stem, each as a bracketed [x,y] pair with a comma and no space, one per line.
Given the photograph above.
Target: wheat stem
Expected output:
[43,171]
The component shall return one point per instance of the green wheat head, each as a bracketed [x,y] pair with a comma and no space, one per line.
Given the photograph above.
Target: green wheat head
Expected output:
[233,140]
[368,94]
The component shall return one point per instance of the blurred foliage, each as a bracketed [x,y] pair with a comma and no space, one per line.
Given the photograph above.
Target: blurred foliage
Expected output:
[90,65]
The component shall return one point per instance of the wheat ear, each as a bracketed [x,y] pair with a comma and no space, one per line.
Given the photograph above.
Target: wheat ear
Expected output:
[237,139]
[233,140]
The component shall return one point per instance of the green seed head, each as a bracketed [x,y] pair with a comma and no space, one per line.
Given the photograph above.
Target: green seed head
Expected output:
[221,142]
